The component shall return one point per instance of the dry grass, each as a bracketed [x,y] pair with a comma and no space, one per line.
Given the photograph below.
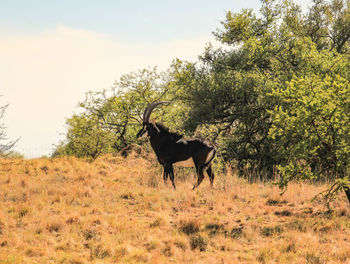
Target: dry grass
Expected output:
[112,210]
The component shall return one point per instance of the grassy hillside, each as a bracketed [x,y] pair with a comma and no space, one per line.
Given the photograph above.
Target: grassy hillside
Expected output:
[117,210]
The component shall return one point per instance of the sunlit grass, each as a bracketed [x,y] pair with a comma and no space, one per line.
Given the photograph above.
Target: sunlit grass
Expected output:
[116,210]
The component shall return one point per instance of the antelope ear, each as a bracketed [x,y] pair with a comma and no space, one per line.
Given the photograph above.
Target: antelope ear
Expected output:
[145,134]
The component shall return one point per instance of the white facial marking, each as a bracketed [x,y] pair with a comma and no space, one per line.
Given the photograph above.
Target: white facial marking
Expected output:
[145,135]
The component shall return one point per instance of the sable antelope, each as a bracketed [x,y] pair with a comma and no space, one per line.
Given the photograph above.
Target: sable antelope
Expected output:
[172,148]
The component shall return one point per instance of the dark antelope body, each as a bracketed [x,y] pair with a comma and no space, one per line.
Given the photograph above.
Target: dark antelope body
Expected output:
[172,148]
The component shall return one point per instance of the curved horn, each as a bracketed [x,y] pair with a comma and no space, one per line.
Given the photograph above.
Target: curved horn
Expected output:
[149,109]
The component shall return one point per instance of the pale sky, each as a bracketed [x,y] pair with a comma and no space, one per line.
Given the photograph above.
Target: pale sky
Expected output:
[53,52]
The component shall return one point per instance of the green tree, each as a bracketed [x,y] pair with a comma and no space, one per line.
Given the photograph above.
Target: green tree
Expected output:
[231,88]
[85,138]
[313,127]
[110,119]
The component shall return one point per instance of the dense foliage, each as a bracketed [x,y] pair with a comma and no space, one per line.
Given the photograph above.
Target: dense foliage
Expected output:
[274,98]
[233,88]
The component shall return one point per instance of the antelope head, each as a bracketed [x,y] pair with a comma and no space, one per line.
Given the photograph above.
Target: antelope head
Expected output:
[149,128]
